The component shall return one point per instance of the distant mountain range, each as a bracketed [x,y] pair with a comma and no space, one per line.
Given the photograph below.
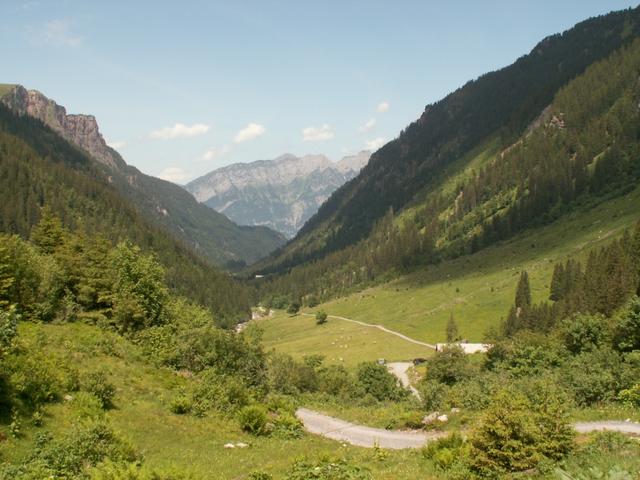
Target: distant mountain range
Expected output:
[281,194]
[207,232]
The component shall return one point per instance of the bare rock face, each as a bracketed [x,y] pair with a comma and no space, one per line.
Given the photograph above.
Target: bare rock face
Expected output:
[81,130]
[282,193]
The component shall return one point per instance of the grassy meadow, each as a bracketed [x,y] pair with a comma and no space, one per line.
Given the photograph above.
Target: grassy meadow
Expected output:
[478,289]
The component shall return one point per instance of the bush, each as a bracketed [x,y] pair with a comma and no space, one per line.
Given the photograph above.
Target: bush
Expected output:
[627,330]
[87,406]
[631,396]
[448,366]
[378,382]
[132,471]
[221,392]
[290,377]
[180,405]
[514,435]
[70,456]
[321,317]
[433,395]
[280,404]
[253,419]
[293,308]
[583,332]
[97,383]
[287,426]
[596,376]
[335,380]
[327,469]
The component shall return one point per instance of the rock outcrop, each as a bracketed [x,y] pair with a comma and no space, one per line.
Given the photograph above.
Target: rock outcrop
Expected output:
[206,231]
[282,193]
[81,130]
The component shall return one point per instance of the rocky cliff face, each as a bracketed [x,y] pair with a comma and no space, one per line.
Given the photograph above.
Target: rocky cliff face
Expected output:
[81,130]
[206,231]
[282,193]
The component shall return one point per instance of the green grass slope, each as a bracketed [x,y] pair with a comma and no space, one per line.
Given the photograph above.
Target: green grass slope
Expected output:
[166,440]
[478,289]
[340,342]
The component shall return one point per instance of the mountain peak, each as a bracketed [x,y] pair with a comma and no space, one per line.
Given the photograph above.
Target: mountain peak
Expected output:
[79,129]
[281,193]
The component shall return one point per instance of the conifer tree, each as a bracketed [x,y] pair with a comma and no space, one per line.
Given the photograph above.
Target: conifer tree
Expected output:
[523,292]
[6,279]
[558,283]
[452,330]
[48,233]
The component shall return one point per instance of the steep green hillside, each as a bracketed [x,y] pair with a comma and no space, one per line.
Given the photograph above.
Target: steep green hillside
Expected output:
[500,104]
[38,167]
[478,289]
[205,231]
[582,149]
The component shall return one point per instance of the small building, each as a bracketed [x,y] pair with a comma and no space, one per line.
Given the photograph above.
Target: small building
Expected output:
[466,347]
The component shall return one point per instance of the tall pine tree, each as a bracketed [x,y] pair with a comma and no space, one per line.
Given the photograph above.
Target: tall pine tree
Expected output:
[523,292]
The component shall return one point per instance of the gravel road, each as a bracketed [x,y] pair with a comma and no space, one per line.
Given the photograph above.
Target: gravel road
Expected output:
[399,369]
[359,435]
[380,327]
[362,436]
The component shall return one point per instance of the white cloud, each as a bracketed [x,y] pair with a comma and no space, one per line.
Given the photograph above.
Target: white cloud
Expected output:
[214,153]
[376,143]
[314,134]
[174,174]
[251,131]
[59,34]
[368,126]
[180,131]
[383,107]
[116,145]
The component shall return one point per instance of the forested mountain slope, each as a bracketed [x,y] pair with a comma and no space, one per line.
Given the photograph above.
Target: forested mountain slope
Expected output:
[496,108]
[38,167]
[583,149]
[206,231]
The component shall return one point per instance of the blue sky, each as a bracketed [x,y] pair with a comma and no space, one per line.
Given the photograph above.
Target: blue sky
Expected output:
[182,88]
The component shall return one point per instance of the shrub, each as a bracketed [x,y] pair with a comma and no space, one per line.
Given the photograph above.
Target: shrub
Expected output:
[221,392]
[293,308]
[448,366]
[327,469]
[631,396]
[132,471]
[260,476]
[583,332]
[280,404]
[287,426]
[290,377]
[86,406]
[378,382]
[97,383]
[595,376]
[321,317]
[70,455]
[8,330]
[514,435]
[180,405]
[626,336]
[433,395]
[335,380]
[253,419]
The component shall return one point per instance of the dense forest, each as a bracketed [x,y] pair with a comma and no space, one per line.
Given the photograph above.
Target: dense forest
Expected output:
[581,150]
[40,169]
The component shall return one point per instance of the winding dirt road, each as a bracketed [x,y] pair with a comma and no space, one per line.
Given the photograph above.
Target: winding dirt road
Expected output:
[399,369]
[380,327]
[360,435]
[363,436]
